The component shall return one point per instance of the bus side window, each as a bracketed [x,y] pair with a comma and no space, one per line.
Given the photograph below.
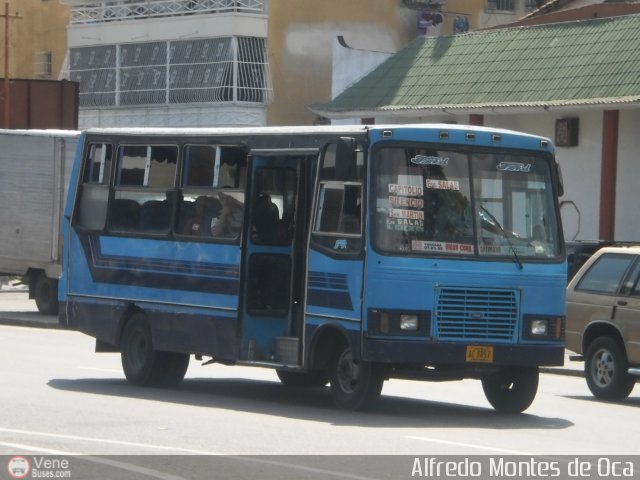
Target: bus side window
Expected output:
[338,219]
[143,199]
[94,191]
[212,200]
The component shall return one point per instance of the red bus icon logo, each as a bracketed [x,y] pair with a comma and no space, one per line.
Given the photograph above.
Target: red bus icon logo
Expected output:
[18,467]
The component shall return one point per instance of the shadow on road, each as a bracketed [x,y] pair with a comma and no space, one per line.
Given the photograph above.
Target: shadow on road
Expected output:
[629,402]
[272,398]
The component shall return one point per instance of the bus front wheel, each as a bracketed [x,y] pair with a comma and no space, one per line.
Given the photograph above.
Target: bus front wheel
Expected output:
[511,390]
[142,364]
[355,385]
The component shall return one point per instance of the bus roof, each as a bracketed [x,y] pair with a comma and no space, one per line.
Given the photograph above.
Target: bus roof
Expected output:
[297,130]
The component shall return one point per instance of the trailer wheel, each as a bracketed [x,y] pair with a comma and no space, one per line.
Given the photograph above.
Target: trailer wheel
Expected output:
[512,390]
[355,385]
[45,292]
[142,364]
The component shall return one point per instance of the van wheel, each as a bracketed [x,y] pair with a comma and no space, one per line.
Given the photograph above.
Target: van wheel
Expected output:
[45,292]
[355,385]
[142,364]
[605,370]
[512,390]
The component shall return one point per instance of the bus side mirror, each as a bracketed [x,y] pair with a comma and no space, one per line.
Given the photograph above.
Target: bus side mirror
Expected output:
[346,159]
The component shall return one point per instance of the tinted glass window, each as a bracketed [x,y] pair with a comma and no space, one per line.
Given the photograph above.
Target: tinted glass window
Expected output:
[94,192]
[338,220]
[274,206]
[211,205]
[142,200]
[430,200]
[97,164]
[148,166]
[606,274]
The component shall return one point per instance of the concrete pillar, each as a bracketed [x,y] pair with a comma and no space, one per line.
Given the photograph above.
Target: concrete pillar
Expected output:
[610,121]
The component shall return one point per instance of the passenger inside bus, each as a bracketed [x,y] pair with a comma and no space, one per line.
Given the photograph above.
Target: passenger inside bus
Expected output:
[229,223]
[208,210]
[266,216]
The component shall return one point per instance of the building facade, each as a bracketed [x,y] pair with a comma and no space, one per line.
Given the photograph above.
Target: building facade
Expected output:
[170,62]
[37,38]
[217,62]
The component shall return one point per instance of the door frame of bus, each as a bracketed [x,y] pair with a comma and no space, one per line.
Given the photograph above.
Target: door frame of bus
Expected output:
[268,264]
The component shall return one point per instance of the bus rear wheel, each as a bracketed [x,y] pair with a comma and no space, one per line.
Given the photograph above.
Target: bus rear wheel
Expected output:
[511,390]
[145,366]
[355,385]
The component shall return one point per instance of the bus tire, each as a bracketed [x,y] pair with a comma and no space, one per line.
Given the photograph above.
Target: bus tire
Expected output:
[605,369]
[175,368]
[315,378]
[45,293]
[512,390]
[142,364]
[355,385]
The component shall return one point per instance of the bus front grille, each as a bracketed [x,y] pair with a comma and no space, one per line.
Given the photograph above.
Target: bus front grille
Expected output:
[476,314]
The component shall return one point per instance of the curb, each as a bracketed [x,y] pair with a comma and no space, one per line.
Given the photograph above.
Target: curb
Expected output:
[21,322]
[571,372]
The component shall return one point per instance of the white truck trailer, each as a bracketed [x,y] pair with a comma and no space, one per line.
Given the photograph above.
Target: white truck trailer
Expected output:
[35,166]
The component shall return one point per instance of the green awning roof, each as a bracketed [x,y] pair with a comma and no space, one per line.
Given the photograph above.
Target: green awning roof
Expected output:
[553,65]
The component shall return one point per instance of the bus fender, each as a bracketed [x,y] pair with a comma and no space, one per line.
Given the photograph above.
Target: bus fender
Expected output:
[325,343]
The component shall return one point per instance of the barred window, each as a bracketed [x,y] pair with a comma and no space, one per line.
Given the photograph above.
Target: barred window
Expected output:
[224,69]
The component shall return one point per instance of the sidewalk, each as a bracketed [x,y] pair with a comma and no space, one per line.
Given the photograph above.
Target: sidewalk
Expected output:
[17,309]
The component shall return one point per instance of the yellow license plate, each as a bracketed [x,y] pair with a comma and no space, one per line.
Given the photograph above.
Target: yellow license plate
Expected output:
[478,354]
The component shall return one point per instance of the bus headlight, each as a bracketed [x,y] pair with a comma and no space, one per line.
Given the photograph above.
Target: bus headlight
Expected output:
[398,323]
[543,328]
[539,327]
[408,322]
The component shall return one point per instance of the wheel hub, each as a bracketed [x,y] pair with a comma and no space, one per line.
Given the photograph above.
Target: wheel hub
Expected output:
[348,372]
[602,368]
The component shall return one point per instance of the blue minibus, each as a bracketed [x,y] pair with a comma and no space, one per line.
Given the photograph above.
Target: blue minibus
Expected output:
[336,255]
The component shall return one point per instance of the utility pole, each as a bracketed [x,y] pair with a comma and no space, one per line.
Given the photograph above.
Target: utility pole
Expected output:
[7,105]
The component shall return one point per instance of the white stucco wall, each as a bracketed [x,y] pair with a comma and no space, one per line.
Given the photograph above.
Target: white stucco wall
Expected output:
[628,177]
[580,166]
[350,65]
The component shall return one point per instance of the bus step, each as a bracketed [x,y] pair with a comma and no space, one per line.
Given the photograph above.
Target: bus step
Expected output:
[287,350]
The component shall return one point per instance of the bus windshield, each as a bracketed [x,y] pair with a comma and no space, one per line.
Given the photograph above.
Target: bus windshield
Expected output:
[464,203]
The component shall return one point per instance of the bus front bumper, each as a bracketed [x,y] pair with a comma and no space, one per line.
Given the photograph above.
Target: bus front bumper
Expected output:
[460,354]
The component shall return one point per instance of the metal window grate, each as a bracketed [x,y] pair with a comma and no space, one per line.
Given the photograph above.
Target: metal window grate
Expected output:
[87,11]
[225,69]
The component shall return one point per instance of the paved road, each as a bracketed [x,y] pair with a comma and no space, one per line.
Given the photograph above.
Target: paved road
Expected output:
[70,398]
[60,398]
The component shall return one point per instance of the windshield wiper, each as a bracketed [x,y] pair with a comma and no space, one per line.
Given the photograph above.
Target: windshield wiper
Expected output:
[504,234]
